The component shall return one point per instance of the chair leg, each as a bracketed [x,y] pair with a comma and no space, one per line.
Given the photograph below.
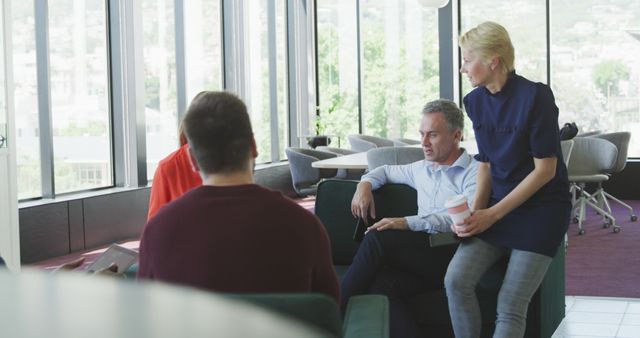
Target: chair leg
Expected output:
[632,216]
[609,219]
[578,210]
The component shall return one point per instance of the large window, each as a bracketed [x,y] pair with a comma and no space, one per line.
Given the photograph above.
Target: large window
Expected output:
[265,69]
[3,82]
[399,63]
[337,36]
[78,85]
[161,116]
[400,59]
[595,75]
[528,36]
[26,98]
[203,48]
[79,82]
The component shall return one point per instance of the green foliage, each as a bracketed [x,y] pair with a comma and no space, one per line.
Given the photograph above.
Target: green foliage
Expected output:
[93,128]
[608,74]
[392,94]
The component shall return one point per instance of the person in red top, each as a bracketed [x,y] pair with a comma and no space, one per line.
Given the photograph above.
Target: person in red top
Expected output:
[231,235]
[174,176]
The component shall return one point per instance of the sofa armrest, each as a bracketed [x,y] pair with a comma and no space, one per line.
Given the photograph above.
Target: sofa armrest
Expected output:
[366,316]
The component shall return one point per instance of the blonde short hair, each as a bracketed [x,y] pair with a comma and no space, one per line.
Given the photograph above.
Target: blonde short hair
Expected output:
[489,40]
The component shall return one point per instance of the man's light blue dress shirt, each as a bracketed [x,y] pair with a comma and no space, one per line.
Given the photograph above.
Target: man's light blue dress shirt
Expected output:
[434,184]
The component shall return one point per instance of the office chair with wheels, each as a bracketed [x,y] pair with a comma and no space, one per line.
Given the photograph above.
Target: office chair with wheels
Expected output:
[621,141]
[591,158]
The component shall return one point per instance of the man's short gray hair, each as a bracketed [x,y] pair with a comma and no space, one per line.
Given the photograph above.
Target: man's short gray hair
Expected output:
[452,113]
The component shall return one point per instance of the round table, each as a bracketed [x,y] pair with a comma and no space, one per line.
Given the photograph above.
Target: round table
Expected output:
[70,304]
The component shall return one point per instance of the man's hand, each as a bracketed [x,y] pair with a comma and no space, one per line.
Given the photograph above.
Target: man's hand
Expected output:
[362,203]
[390,224]
[68,266]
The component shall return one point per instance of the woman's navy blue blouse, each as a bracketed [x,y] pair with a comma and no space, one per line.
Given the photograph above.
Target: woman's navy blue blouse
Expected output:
[512,127]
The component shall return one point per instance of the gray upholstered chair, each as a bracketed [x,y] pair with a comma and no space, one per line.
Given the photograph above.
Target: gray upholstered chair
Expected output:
[393,155]
[567,147]
[402,142]
[589,133]
[361,143]
[347,174]
[621,141]
[337,151]
[303,175]
[591,159]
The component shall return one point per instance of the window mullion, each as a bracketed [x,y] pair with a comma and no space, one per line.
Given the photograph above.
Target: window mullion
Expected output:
[44,98]
[273,81]
[181,86]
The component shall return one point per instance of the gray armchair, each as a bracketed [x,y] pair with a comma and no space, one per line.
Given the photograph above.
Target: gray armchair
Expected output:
[591,159]
[303,175]
[402,142]
[337,151]
[360,143]
[393,155]
[347,174]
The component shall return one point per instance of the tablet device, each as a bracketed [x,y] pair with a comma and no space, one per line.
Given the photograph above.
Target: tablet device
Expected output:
[358,232]
[121,256]
[361,228]
[443,238]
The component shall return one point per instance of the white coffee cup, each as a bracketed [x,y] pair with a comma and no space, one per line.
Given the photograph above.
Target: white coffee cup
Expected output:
[457,208]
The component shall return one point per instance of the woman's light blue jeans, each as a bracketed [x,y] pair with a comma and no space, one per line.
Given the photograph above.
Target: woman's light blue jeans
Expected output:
[522,278]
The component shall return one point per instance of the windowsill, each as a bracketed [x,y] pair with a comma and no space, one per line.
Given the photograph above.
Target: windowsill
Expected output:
[271,165]
[77,196]
[106,191]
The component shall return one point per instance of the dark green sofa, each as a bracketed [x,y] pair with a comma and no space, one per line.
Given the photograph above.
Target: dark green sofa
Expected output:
[547,308]
[366,316]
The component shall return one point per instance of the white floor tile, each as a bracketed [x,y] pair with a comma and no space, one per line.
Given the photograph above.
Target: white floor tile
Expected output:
[629,331]
[594,317]
[602,317]
[634,307]
[631,319]
[584,329]
[602,306]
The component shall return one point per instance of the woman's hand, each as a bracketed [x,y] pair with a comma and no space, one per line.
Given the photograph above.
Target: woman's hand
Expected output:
[478,222]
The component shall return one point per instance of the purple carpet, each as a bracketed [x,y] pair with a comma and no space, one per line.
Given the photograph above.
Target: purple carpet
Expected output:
[603,263]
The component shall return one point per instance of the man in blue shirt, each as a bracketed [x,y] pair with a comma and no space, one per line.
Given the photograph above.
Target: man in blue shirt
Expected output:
[400,263]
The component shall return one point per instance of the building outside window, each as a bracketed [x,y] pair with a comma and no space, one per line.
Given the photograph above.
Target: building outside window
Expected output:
[161,107]
[79,78]
[594,72]
[26,99]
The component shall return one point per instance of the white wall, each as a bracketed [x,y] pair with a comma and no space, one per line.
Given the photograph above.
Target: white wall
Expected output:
[9,229]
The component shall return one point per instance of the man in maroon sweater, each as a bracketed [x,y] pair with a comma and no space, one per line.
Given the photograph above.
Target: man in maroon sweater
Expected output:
[231,235]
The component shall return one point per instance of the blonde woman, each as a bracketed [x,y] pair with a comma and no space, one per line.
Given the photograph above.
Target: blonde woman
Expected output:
[522,202]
